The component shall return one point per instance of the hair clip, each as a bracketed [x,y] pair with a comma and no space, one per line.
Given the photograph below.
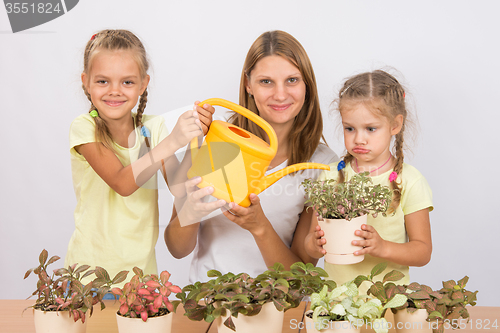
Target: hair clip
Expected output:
[393,176]
[341,165]
[94,114]
[145,132]
[404,94]
[93,37]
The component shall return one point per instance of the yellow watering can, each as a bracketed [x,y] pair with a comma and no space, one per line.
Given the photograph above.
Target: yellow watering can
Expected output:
[234,161]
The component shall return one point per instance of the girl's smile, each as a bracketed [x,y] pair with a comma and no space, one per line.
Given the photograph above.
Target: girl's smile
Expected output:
[115,84]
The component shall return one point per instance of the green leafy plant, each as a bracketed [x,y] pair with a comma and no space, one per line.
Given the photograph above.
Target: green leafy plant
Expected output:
[344,303]
[146,296]
[63,290]
[241,294]
[447,305]
[355,197]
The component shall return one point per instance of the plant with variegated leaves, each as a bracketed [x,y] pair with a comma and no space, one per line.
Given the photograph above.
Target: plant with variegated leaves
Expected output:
[385,290]
[63,290]
[146,296]
[356,197]
[243,295]
[446,305]
[344,303]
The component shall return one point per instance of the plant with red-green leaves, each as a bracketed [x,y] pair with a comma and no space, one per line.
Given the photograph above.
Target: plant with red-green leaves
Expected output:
[63,290]
[446,305]
[239,294]
[146,296]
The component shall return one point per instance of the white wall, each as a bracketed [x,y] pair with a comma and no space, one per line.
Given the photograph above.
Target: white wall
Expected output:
[447,50]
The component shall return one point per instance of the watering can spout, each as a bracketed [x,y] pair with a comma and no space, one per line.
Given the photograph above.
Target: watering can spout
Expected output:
[275,176]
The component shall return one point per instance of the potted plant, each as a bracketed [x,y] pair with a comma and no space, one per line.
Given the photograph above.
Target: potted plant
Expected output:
[428,309]
[434,309]
[344,309]
[240,298]
[144,303]
[343,208]
[63,299]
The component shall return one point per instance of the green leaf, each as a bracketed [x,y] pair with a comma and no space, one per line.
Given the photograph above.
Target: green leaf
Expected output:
[360,279]
[138,271]
[379,268]
[229,323]
[397,301]
[393,276]
[213,273]
[53,259]
[419,295]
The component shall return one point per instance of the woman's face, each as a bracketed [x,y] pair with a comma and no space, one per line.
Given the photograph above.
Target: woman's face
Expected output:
[278,89]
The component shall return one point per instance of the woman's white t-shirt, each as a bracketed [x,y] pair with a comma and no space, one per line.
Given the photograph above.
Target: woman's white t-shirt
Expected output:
[226,247]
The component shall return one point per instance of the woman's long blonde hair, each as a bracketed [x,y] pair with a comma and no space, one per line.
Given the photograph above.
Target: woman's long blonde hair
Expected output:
[115,40]
[307,128]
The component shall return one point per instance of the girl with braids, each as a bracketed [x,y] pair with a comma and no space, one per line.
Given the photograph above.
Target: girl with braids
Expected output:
[278,84]
[373,112]
[115,154]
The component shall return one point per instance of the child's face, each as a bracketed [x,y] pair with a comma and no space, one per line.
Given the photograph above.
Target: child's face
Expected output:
[278,89]
[114,84]
[367,135]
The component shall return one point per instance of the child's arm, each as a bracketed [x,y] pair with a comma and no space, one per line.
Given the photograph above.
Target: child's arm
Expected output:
[126,180]
[416,252]
[177,173]
[314,242]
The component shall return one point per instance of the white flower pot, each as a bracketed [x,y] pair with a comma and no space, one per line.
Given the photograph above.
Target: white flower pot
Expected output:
[162,324]
[268,320]
[57,322]
[339,234]
[333,326]
[415,322]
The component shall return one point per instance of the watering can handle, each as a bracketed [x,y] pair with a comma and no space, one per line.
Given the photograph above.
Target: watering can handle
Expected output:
[273,139]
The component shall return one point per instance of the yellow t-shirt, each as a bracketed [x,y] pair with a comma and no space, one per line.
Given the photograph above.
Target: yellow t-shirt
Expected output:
[416,195]
[112,231]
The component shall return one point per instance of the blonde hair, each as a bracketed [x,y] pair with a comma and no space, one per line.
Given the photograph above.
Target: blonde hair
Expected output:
[381,93]
[307,128]
[115,40]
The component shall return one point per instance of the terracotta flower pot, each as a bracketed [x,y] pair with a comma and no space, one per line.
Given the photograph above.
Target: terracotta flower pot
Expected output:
[339,234]
[268,320]
[333,326]
[161,324]
[416,322]
[57,322]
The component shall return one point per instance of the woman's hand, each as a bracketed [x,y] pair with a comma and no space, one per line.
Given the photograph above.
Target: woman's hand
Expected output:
[193,208]
[251,218]
[372,244]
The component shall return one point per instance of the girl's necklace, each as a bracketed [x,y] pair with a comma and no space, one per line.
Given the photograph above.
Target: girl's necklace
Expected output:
[357,168]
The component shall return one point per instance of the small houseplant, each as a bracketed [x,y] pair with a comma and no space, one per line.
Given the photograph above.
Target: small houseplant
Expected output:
[63,290]
[145,296]
[343,208]
[444,306]
[344,307]
[231,295]
[438,307]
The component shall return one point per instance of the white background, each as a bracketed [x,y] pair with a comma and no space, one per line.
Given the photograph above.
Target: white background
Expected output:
[446,52]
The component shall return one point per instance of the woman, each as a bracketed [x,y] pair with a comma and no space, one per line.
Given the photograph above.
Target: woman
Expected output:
[278,84]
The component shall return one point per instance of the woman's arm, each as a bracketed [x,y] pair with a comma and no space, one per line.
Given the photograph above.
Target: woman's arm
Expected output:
[270,244]
[416,252]
[182,231]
